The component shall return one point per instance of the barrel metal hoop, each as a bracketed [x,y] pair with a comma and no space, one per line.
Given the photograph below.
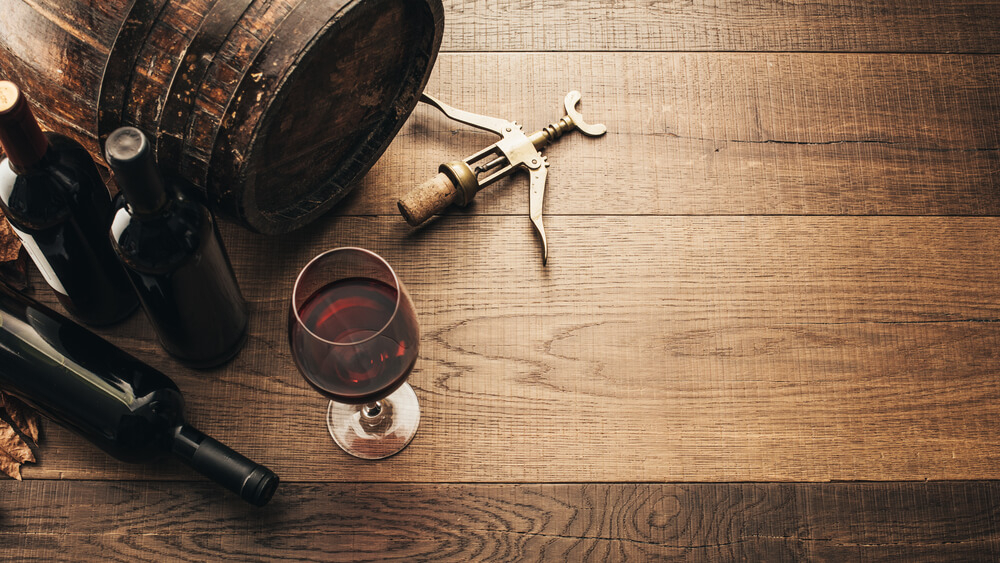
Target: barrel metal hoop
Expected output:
[189,74]
[120,66]
[258,78]
[203,177]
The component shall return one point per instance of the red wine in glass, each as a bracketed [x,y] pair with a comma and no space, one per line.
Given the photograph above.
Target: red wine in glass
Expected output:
[354,335]
[361,347]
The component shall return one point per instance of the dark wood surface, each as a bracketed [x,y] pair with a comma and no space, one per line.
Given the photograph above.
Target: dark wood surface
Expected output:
[194,521]
[767,329]
[651,348]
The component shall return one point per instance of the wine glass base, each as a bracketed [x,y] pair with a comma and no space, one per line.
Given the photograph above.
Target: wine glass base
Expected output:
[379,436]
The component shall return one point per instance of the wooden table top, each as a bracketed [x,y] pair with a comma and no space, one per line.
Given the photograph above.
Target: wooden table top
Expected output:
[767,328]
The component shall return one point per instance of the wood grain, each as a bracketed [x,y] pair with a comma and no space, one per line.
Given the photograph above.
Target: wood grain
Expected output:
[721,134]
[195,521]
[951,26]
[938,26]
[779,265]
[649,349]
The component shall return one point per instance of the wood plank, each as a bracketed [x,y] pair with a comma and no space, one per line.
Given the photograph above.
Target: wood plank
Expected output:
[950,26]
[649,349]
[721,134]
[501,522]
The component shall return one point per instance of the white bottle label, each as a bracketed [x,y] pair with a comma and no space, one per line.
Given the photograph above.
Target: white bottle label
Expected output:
[39,259]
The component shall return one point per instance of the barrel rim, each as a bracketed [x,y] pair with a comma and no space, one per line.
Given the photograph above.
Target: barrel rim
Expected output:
[242,204]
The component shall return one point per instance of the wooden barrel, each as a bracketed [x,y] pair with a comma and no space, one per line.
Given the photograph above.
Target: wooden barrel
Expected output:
[274,107]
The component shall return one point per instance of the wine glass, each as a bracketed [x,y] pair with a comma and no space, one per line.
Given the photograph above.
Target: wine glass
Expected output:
[354,337]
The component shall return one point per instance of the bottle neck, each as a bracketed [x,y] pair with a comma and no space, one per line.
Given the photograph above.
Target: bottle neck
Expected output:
[253,482]
[130,156]
[144,190]
[22,139]
[142,209]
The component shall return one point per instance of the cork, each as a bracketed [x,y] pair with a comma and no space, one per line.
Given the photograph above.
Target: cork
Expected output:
[431,197]
[8,96]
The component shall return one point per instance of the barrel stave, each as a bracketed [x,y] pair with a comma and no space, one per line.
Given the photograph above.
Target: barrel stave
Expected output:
[158,59]
[56,62]
[94,22]
[222,78]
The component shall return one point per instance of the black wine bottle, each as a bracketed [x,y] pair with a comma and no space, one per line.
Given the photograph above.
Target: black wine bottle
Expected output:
[170,247]
[57,203]
[125,407]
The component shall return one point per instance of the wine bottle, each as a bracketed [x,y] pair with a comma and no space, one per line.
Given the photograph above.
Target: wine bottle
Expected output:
[58,205]
[170,247]
[125,407]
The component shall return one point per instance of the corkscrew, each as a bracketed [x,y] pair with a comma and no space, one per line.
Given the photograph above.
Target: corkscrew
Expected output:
[459,181]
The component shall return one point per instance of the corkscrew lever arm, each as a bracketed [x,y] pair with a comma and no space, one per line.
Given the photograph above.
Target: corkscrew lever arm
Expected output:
[486,123]
[535,199]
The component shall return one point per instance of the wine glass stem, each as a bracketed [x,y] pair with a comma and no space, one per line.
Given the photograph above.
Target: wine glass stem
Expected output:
[376,417]
[372,411]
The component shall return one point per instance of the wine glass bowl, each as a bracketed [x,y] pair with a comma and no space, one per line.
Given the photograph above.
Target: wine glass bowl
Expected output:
[354,336]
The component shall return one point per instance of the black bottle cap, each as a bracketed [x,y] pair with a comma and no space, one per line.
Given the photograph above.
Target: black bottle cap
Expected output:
[253,482]
[131,159]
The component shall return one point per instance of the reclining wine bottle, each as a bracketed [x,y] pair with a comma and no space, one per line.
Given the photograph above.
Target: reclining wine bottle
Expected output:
[125,407]
[56,201]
